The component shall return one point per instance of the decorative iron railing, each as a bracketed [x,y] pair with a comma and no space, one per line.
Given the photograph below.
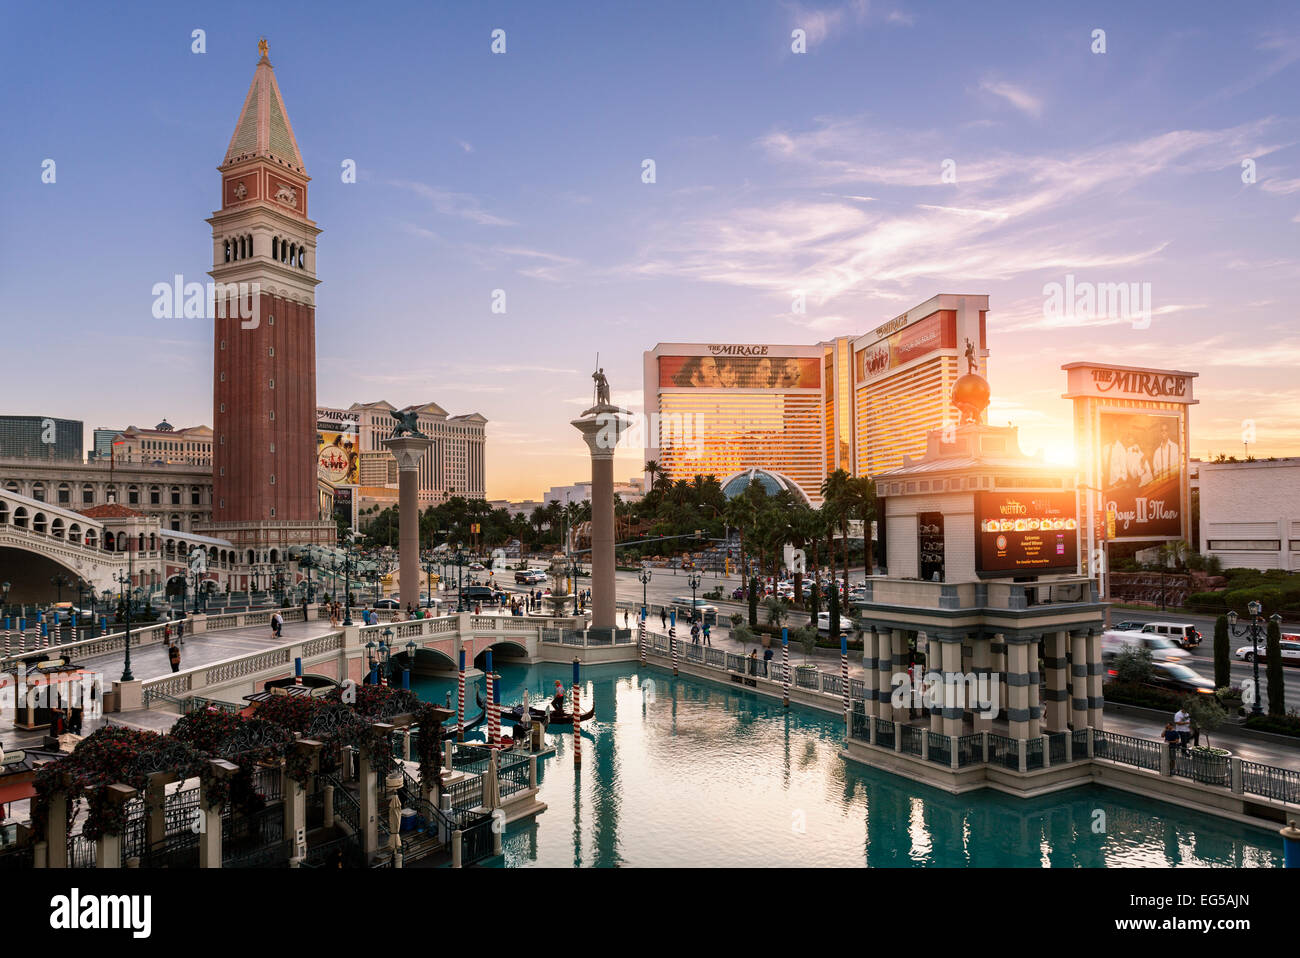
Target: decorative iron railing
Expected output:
[1204,768]
[1033,753]
[1280,784]
[970,750]
[1004,751]
[912,738]
[1056,753]
[512,773]
[885,731]
[939,748]
[1139,752]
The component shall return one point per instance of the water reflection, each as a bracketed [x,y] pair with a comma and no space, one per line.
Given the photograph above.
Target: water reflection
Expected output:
[702,775]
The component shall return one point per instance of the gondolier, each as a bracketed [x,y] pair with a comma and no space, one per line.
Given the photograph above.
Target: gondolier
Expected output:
[557,702]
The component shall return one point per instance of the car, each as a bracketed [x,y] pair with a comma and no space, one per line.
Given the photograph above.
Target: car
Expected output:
[536,576]
[707,612]
[1162,649]
[824,623]
[476,567]
[478,593]
[428,603]
[1290,646]
[738,593]
[1129,625]
[388,604]
[1184,634]
[1176,676]
[524,576]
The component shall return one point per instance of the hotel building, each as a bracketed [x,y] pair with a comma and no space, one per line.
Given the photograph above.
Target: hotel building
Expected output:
[857,403]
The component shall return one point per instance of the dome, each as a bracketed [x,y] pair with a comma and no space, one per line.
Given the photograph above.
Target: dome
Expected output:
[164,426]
[772,483]
[970,394]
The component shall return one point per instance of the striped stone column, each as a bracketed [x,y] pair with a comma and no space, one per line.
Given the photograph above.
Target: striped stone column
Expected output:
[898,666]
[1095,673]
[870,645]
[1056,711]
[1035,691]
[1079,678]
[953,711]
[1018,713]
[986,681]
[998,653]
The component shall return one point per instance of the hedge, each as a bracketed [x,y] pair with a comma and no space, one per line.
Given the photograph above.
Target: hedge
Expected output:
[1277,724]
[1144,696]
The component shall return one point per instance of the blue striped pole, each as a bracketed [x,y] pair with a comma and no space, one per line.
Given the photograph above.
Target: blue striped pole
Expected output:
[1290,846]
[74,627]
[577,712]
[297,671]
[103,625]
[785,667]
[22,635]
[672,637]
[8,646]
[45,635]
[58,628]
[460,699]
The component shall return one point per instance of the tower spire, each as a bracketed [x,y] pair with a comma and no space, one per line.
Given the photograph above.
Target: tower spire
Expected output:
[263,129]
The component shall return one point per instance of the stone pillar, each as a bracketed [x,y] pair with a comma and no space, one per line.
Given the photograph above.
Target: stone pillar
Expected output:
[981,665]
[1018,714]
[601,427]
[1095,672]
[870,649]
[900,668]
[409,450]
[1035,690]
[1079,679]
[210,851]
[884,675]
[108,851]
[953,711]
[998,652]
[295,811]
[156,800]
[370,803]
[56,830]
[1056,714]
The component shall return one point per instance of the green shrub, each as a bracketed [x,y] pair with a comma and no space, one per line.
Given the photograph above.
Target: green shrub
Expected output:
[1206,600]
[1278,724]
[1133,665]
[1145,696]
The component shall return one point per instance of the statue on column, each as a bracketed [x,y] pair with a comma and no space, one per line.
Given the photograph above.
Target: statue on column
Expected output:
[971,363]
[407,424]
[602,388]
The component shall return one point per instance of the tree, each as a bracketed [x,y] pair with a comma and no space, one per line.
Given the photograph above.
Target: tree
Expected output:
[1276,685]
[744,635]
[833,610]
[1133,664]
[1207,714]
[865,503]
[1222,654]
[807,637]
[837,501]
[815,600]
[775,611]
[753,602]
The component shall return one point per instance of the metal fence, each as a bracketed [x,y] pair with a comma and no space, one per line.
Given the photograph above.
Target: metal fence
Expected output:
[885,733]
[81,851]
[970,750]
[1004,751]
[912,738]
[940,748]
[1056,753]
[1203,768]
[512,773]
[1033,753]
[1127,750]
[1280,784]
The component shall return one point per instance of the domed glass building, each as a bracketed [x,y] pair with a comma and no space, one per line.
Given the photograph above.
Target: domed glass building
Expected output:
[772,483]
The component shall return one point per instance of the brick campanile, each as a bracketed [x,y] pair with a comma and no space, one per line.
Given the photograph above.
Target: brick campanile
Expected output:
[264,470]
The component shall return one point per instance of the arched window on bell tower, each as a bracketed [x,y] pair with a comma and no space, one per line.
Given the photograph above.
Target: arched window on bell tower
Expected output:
[275,247]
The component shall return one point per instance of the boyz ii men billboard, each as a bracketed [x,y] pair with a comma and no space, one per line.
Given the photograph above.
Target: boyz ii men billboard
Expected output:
[1142,473]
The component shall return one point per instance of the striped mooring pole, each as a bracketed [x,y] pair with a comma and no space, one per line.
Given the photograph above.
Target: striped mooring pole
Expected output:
[58,628]
[494,719]
[785,667]
[103,625]
[577,714]
[8,645]
[297,671]
[844,673]
[672,637]
[1290,845]
[640,637]
[22,635]
[460,699]
[45,635]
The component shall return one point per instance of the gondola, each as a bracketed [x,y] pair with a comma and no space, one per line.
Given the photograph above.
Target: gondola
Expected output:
[556,720]
[449,731]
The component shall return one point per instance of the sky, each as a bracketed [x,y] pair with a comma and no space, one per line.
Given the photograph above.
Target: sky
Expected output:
[912,149]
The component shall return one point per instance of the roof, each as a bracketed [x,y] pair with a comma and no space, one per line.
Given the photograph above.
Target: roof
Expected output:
[111,510]
[263,129]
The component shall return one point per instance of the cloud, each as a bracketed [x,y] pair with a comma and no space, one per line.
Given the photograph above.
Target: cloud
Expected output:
[1284,187]
[466,146]
[1020,99]
[448,203]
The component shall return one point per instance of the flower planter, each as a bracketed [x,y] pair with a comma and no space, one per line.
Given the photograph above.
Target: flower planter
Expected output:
[1210,766]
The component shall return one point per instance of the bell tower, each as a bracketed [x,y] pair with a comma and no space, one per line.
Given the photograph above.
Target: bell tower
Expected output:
[264,473]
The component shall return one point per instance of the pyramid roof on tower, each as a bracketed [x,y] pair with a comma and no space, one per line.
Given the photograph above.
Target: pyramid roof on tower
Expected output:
[264,129]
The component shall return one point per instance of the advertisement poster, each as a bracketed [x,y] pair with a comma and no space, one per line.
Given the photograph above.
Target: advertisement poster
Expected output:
[740,372]
[337,459]
[917,340]
[1142,465]
[1025,533]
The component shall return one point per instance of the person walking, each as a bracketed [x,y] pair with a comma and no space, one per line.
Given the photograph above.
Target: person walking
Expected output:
[695,633]
[1183,724]
[663,617]
[277,624]
[174,657]
[706,635]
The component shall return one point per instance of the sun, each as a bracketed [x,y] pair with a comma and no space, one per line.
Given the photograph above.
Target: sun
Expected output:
[1060,452]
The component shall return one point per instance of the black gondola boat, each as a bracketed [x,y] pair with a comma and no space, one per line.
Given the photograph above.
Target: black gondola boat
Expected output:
[557,719]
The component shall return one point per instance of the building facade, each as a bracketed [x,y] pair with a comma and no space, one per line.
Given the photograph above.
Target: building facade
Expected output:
[41,437]
[264,459]
[191,446]
[1250,513]
[103,442]
[454,464]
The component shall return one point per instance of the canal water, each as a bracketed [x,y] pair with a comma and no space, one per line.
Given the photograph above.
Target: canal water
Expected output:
[679,772]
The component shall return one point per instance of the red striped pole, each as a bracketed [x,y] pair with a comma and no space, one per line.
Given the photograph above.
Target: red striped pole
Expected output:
[577,713]
[58,628]
[785,667]
[8,646]
[22,635]
[460,699]
[640,641]
[494,719]
[672,637]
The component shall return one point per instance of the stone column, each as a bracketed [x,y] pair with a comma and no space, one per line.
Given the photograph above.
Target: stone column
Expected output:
[998,653]
[953,712]
[1095,672]
[601,426]
[108,850]
[899,639]
[1018,713]
[1056,714]
[870,649]
[884,675]
[409,450]
[210,850]
[1079,678]
[56,830]
[986,682]
[156,800]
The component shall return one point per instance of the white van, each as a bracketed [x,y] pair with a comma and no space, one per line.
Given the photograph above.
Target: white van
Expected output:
[1163,649]
[1183,634]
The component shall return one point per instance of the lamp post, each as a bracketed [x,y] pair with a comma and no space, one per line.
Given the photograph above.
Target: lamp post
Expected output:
[59,581]
[4,596]
[386,657]
[411,649]
[372,666]
[1254,630]
[693,580]
[644,575]
[460,579]
[124,582]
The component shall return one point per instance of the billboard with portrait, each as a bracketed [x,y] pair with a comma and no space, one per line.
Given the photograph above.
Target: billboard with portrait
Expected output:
[1025,533]
[1142,464]
[912,342]
[337,458]
[740,372]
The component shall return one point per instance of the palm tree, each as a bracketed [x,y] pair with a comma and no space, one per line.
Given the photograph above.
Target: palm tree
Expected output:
[836,500]
[863,497]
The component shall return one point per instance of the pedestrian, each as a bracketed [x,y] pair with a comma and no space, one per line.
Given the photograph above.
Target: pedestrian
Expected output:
[753,662]
[663,617]
[706,635]
[1172,738]
[1196,735]
[167,634]
[1183,723]
[625,618]
[695,633]
[277,623]
[180,632]
[174,656]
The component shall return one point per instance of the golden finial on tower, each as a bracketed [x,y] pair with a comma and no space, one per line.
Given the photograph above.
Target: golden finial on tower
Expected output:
[262,47]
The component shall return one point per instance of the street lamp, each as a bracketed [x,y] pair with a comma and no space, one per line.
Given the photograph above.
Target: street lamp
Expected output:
[386,656]
[124,580]
[460,579]
[644,575]
[1253,630]
[373,665]
[693,580]
[59,581]
[4,596]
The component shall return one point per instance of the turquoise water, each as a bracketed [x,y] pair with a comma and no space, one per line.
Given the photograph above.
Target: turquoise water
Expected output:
[700,775]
